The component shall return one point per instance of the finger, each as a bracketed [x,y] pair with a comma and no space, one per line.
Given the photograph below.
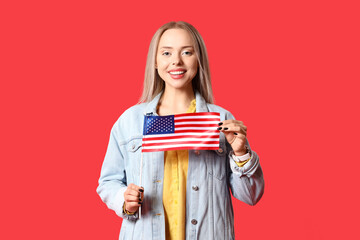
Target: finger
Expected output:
[135,187]
[236,129]
[142,193]
[228,121]
[231,123]
[240,135]
[129,198]
[242,131]
[134,198]
[134,193]
[132,206]
[138,188]
[234,124]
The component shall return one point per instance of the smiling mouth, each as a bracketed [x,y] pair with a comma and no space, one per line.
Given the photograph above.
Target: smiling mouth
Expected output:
[177,72]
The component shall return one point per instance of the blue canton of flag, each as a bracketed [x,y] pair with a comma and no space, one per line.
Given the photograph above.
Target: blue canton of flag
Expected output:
[159,125]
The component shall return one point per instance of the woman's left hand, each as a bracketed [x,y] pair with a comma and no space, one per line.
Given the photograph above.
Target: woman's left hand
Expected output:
[235,133]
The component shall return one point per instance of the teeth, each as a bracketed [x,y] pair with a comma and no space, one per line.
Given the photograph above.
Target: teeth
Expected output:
[177,72]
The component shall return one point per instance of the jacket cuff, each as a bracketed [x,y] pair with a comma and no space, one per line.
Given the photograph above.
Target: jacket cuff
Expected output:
[248,169]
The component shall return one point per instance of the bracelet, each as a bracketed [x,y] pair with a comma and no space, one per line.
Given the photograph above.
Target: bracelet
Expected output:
[126,211]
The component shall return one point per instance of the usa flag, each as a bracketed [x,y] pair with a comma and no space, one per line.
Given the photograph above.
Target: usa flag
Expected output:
[181,131]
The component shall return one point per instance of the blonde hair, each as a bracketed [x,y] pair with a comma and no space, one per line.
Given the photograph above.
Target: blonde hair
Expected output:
[153,84]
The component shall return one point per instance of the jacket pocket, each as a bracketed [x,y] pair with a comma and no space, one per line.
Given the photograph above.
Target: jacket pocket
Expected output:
[133,150]
[217,164]
[134,144]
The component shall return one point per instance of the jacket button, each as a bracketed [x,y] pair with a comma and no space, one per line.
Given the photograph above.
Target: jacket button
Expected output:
[194,222]
[220,150]
[195,188]
[197,152]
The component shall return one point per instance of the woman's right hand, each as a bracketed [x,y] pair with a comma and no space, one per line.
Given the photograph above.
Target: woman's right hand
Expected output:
[133,196]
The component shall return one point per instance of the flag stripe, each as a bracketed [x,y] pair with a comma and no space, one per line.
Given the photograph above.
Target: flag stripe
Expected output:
[196,120]
[172,141]
[199,140]
[179,136]
[195,125]
[197,131]
[198,114]
[202,134]
[182,145]
[159,143]
[206,118]
[194,128]
[179,148]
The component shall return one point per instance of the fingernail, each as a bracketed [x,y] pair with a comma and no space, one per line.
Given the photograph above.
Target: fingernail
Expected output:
[225,128]
[219,128]
[220,123]
[235,133]
[141,190]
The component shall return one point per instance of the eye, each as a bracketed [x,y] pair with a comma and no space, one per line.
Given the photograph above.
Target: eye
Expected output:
[165,53]
[187,53]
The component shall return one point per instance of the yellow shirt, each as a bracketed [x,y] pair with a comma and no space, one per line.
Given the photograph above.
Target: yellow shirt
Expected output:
[174,189]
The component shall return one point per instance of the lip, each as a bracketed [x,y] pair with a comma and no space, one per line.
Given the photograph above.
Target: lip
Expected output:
[177,69]
[177,76]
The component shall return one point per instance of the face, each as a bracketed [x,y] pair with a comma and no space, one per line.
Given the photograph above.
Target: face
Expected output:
[176,59]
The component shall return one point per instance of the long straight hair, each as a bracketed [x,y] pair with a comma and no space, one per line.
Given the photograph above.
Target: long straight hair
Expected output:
[153,84]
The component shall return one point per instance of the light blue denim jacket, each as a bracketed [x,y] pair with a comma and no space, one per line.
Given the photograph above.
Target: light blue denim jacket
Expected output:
[209,211]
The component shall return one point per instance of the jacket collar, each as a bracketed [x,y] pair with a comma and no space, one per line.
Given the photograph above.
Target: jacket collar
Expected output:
[201,105]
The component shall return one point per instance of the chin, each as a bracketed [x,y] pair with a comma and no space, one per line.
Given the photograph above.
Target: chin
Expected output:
[179,85]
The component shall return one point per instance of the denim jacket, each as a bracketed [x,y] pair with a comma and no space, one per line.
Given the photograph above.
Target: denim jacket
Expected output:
[209,211]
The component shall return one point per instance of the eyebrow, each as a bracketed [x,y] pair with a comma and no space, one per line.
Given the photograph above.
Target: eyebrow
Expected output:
[181,47]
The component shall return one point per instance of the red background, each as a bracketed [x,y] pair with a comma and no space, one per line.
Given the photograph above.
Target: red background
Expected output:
[288,69]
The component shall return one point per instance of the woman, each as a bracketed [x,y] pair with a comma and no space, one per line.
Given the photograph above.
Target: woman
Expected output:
[185,193]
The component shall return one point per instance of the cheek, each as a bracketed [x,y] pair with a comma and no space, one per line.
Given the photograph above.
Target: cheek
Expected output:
[194,64]
[162,64]
[195,67]
[159,60]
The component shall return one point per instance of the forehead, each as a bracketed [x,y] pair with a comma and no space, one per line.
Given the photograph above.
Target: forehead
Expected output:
[176,38]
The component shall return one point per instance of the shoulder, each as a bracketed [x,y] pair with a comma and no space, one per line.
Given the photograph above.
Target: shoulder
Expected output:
[133,113]
[128,123]
[223,112]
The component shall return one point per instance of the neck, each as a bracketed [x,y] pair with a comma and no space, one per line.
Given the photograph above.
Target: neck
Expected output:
[174,101]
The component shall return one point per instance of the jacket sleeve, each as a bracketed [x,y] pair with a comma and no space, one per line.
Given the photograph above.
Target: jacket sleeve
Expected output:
[112,181]
[247,182]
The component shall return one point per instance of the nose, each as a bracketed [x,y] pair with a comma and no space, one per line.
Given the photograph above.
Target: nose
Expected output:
[176,59]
